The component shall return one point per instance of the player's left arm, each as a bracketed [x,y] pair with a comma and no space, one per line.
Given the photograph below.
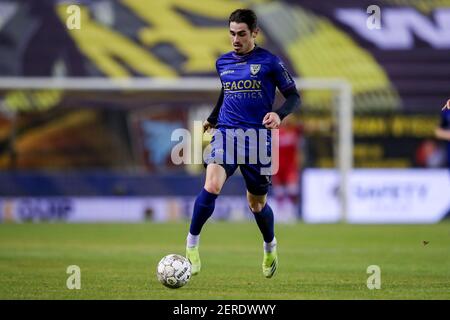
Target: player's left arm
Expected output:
[286,84]
[272,120]
[291,103]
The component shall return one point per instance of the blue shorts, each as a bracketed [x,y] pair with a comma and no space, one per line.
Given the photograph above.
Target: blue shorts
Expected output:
[233,148]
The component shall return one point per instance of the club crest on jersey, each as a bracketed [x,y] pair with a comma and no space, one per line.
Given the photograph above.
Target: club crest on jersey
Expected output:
[254,68]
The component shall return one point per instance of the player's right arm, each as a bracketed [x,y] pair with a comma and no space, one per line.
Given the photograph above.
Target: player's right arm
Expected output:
[211,122]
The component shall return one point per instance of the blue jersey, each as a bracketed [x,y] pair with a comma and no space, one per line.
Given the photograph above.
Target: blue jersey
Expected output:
[249,82]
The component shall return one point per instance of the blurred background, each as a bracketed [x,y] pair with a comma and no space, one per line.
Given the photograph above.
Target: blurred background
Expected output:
[86,150]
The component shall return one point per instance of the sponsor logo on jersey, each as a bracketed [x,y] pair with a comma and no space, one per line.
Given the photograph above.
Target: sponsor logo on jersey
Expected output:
[242,85]
[226,72]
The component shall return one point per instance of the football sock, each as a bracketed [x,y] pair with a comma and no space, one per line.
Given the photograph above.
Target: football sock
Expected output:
[192,241]
[264,219]
[268,247]
[203,209]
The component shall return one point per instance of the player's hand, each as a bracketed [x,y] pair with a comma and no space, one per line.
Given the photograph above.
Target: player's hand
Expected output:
[207,125]
[271,120]
[446,106]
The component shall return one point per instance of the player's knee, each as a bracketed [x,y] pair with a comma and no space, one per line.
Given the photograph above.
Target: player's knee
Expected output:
[213,186]
[256,206]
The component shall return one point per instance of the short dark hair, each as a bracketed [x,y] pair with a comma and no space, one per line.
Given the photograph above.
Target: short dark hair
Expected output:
[244,16]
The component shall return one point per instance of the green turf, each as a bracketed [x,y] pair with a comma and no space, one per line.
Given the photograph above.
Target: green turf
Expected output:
[118,261]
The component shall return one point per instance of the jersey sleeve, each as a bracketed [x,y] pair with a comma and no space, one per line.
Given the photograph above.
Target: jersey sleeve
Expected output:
[214,116]
[444,120]
[217,68]
[283,78]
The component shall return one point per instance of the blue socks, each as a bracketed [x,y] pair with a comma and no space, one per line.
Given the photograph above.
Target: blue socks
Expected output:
[265,222]
[203,209]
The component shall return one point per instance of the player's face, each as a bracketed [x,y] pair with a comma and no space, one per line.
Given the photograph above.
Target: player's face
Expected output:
[242,39]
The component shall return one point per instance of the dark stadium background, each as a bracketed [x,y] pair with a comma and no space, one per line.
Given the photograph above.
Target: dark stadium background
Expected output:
[70,156]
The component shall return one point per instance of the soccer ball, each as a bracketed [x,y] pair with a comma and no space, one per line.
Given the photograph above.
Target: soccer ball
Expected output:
[174,271]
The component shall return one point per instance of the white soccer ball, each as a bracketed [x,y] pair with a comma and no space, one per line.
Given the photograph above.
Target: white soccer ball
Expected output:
[174,271]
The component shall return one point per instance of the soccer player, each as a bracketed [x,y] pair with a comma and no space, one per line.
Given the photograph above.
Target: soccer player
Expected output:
[443,131]
[249,76]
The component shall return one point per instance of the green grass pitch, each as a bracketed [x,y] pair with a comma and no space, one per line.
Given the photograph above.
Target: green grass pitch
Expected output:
[118,261]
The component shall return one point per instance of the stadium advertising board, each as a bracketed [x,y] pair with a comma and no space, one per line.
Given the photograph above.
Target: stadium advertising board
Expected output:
[33,209]
[378,196]
[113,209]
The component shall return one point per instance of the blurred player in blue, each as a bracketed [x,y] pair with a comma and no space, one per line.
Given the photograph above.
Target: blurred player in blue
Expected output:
[443,131]
[249,76]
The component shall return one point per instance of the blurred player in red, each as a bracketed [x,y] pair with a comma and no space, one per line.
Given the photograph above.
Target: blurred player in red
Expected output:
[286,182]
